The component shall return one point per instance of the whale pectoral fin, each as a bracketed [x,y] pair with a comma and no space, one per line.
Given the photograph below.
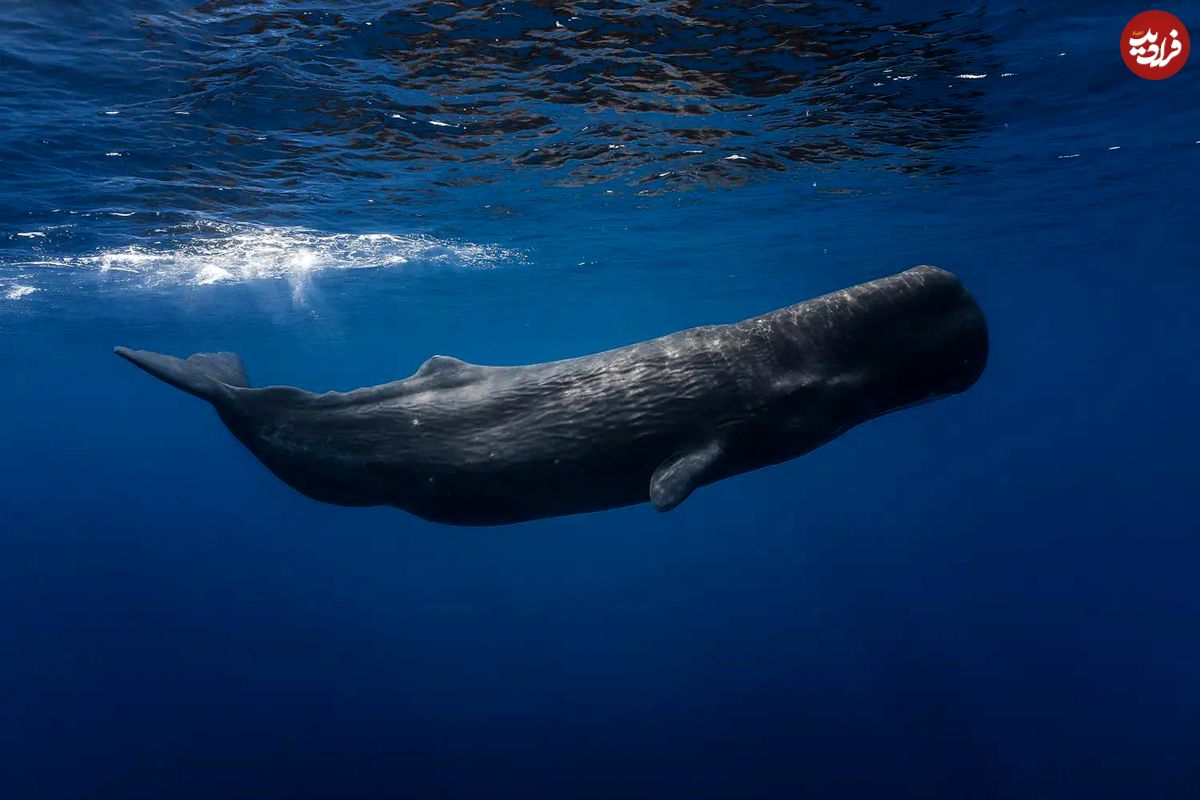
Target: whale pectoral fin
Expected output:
[679,475]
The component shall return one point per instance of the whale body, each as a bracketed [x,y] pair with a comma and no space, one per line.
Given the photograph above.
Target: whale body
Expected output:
[465,444]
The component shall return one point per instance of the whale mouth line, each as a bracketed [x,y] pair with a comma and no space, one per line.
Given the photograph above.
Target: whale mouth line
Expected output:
[208,253]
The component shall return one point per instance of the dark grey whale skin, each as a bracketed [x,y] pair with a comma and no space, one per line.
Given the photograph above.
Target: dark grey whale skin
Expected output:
[471,445]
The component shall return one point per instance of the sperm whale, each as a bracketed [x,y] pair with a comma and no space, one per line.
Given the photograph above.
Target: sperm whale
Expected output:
[466,444]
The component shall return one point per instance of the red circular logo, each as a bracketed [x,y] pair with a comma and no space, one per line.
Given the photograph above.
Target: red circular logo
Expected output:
[1155,45]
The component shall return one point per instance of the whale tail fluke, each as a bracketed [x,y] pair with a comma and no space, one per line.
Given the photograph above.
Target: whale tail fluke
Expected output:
[206,375]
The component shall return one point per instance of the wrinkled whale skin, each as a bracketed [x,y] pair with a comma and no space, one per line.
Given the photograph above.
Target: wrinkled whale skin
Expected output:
[465,444]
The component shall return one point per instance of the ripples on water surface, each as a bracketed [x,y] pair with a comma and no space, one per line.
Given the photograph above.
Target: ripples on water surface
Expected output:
[231,140]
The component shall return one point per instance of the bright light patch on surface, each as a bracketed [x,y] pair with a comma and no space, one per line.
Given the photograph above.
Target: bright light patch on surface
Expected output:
[18,291]
[212,274]
[223,253]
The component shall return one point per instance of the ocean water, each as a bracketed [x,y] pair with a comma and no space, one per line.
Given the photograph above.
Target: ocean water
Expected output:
[992,596]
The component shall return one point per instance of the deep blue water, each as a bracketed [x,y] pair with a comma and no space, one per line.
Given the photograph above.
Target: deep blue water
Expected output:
[993,596]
